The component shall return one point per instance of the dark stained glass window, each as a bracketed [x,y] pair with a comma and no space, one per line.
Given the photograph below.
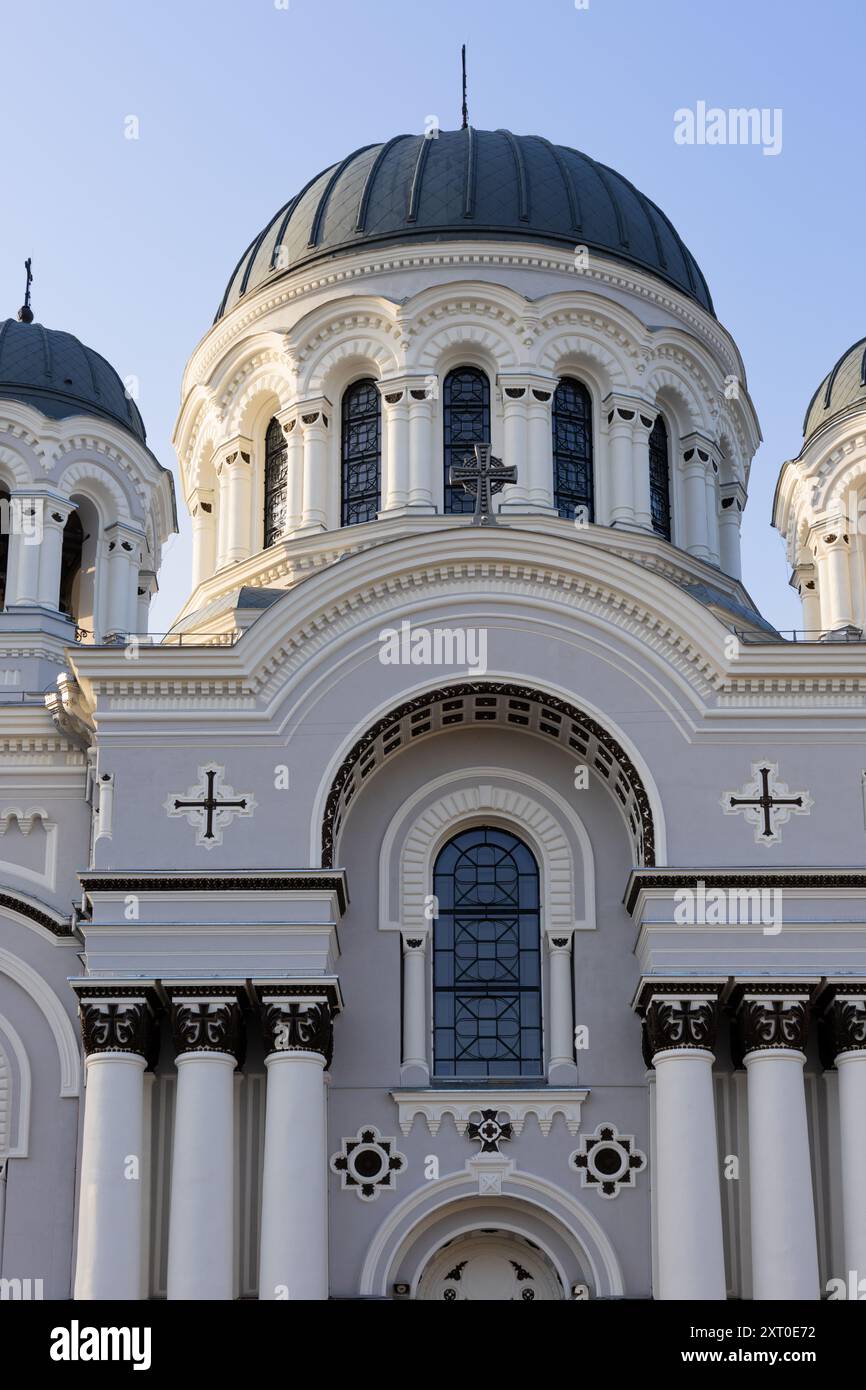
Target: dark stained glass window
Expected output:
[5,528]
[466,421]
[660,484]
[572,448]
[276,471]
[486,958]
[361,451]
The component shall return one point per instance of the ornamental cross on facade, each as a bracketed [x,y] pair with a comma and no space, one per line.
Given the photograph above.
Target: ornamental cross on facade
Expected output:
[482,479]
[766,803]
[203,809]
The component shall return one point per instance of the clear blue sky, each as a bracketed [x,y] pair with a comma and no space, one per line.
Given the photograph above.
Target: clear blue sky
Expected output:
[240,102]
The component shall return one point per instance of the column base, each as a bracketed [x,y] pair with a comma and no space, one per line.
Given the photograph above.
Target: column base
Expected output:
[414,1074]
[562,1074]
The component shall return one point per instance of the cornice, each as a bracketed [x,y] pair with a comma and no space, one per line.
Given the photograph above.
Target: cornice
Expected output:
[39,912]
[665,881]
[238,881]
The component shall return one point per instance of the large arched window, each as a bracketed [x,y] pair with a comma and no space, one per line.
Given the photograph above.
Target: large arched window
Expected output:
[71,558]
[572,448]
[660,481]
[276,469]
[361,452]
[466,421]
[486,958]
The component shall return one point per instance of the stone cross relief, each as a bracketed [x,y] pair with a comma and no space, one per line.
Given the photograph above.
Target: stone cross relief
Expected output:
[208,807]
[766,802]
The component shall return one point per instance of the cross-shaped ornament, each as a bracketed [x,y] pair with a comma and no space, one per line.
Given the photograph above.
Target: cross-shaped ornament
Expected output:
[765,802]
[205,811]
[481,479]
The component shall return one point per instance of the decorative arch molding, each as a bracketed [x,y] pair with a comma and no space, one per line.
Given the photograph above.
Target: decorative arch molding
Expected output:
[103,490]
[677,383]
[15,1093]
[13,468]
[566,347]
[240,407]
[375,357]
[419,828]
[456,1196]
[55,1016]
[440,345]
[516,706]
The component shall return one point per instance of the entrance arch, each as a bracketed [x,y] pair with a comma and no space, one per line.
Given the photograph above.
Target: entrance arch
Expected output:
[490,1266]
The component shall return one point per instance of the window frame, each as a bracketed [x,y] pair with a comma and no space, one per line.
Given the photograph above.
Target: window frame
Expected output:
[364,495]
[589,500]
[455,501]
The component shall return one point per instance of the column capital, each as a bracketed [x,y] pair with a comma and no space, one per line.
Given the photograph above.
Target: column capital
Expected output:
[699,452]
[631,412]
[118,1018]
[206,1018]
[842,1020]
[527,386]
[733,496]
[124,534]
[829,533]
[402,390]
[314,413]
[414,941]
[299,1017]
[678,1015]
[235,451]
[770,1016]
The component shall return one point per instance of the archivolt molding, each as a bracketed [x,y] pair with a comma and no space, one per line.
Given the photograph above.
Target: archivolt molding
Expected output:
[526,1193]
[495,341]
[678,381]
[313,380]
[15,1095]
[96,478]
[466,579]
[15,467]
[55,1016]
[491,792]
[567,343]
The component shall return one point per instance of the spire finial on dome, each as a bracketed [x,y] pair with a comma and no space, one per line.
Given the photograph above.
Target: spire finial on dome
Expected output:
[465,105]
[25,313]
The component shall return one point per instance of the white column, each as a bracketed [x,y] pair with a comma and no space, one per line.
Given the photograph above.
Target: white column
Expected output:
[422,402]
[236,500]
[25,542]
[415,1066]
[622,470]
[847,1027]
[201,1217]
[808,591]
[54,517]
[147,587]
[539,458]
[294,473]
[561,1070]
[834,579]
[732,501]
[515,449]
[315,423]
[784,1246]
[203,535]
[641,431]
[679,1033]
[712,486]
[395,472]
[293,1261]
[694,471]
[124,556]
[117,1034]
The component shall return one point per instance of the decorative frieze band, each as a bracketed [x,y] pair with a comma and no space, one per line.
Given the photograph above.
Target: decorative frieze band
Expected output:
[516,1105]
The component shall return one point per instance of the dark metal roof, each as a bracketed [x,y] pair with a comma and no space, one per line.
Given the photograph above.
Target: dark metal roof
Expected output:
[467,184]
[844,387]
[58,375]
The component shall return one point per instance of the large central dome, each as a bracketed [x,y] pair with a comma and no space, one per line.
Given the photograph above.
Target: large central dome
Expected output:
[467,184]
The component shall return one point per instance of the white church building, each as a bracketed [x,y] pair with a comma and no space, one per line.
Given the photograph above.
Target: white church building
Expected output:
[465,900]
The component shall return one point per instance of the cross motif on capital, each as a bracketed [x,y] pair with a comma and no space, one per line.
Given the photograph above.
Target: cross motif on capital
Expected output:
[766,803]
[482,479]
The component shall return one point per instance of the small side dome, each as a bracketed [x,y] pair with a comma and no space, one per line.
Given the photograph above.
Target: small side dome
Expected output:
[842,390]
[58,375]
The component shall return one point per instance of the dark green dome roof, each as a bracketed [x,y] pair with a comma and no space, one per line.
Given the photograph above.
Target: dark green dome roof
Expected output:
[842,389]
[58,375]
[482,184]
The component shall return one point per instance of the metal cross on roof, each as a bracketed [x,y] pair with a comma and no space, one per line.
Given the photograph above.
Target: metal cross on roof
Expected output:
[482,479]
[25,313]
